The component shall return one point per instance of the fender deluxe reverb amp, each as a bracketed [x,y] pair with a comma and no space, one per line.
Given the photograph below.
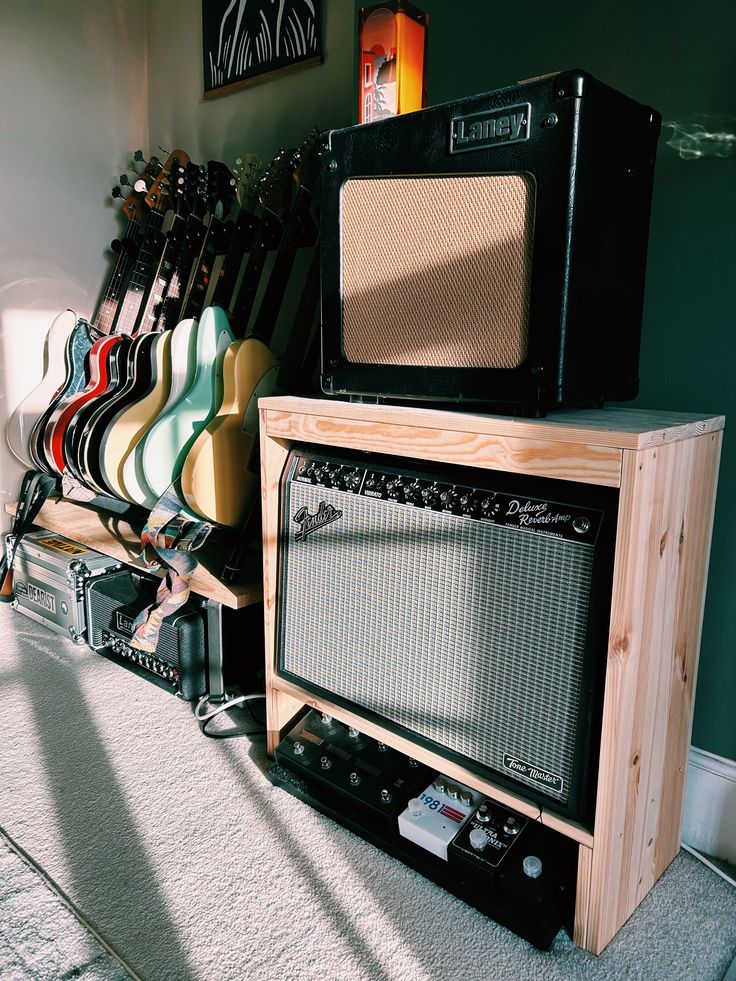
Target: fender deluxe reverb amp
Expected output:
[466,610]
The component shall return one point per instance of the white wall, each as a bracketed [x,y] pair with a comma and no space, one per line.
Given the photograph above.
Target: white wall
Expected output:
[73,107]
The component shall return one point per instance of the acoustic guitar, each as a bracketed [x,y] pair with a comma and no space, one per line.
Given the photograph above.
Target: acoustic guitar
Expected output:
[216,480]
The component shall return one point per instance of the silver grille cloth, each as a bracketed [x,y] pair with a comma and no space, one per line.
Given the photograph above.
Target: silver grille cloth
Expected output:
[466,633]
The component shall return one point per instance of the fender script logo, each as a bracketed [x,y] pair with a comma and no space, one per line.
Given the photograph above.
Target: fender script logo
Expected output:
[326,514]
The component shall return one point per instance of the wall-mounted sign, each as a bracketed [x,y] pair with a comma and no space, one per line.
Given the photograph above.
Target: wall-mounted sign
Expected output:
[249,41]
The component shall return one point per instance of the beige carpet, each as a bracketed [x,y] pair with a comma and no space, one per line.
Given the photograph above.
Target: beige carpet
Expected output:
[188,862]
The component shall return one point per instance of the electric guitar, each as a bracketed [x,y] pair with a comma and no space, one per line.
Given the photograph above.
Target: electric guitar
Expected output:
[217,481]
[106,358]
[66,348]
[141,417]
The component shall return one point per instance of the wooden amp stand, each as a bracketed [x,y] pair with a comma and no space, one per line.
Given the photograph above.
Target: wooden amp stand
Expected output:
[665,465]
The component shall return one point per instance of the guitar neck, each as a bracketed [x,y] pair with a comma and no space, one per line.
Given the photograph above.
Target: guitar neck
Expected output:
[268,229]
[242,241]
[273,296]
[215,243]
[170,309]
[140,277]
[150,315]
[107,308]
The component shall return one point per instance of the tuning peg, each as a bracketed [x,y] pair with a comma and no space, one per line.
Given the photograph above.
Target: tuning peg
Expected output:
[117,192]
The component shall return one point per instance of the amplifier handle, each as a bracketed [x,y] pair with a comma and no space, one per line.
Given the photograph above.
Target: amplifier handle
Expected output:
[215,676]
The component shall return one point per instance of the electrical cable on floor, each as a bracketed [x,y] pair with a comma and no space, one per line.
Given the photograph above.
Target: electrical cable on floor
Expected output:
[203,718]
[710,865]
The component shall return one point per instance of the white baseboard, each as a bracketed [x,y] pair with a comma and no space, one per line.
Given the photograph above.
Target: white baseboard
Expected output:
[709,822]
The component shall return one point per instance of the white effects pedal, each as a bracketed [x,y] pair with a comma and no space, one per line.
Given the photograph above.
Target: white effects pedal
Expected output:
[435,817]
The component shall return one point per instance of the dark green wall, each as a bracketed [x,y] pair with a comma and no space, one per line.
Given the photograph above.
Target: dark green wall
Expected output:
[680,58]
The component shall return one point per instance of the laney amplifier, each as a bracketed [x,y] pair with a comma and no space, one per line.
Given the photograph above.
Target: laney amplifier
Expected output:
[490,250]
[466,610]
[50,573]
[179,662]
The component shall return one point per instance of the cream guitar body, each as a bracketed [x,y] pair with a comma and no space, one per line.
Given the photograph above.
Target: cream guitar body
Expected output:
[132,422]
[182,366]
[216,481]
[20,425]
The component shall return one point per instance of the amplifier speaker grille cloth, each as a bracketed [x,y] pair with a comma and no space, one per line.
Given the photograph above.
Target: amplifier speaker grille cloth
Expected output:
[436,270]
[466,633]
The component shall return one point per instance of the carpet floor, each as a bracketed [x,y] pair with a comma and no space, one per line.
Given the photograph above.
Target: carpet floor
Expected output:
[191,865]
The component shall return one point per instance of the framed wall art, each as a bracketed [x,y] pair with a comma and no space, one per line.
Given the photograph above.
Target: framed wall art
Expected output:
[250,41]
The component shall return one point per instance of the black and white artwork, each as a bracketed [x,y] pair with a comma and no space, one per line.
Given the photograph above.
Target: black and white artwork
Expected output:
[245,39]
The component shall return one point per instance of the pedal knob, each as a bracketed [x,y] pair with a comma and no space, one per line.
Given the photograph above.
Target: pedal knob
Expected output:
[483,814]
[478,839]
[511,826]
[466,798]
[440,784]
[416,807]
[453,791]
[532,866]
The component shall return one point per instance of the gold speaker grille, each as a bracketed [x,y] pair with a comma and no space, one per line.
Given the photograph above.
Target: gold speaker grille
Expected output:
[436,271]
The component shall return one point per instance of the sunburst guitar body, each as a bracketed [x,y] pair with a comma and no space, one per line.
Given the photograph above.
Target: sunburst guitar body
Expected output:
[216,481]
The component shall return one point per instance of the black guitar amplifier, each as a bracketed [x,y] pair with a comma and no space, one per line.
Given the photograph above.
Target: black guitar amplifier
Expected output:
[466,610]
[179,662]
[490,250]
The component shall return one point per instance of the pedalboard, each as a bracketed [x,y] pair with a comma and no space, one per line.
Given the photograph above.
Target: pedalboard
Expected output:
[510,867]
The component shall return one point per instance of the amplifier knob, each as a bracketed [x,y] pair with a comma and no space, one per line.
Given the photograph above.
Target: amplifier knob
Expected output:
[467,504]
[448,498]
[429,494]
[352,479]
[412,491]
[581,525]
[478,839]
[394,488]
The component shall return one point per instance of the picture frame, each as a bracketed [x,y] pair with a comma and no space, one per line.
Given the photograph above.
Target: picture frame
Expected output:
[245,42]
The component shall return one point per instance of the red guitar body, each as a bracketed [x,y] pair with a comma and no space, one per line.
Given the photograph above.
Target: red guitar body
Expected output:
[53,438]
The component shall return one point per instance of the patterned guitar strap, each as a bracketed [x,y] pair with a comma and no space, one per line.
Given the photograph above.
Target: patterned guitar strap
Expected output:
[176,557]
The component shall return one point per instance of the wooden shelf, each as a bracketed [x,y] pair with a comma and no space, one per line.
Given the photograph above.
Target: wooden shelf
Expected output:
[665,466]
[119,537]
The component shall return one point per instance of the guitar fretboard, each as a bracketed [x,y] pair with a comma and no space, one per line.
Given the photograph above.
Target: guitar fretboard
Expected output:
[140,277]
[148,320]
[171,306]
[243,305]
[108,306]
[215,243]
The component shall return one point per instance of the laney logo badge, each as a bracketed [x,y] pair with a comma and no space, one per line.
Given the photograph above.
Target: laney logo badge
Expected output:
[123,623]
[308,523]
[41,598]
[522,769]
[489,129]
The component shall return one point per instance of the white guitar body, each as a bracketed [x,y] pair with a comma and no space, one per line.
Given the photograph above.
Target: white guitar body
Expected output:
[183,358]
[20,425]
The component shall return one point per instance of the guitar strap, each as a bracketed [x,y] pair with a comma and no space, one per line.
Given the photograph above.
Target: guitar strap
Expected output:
[34,490]
[176,558]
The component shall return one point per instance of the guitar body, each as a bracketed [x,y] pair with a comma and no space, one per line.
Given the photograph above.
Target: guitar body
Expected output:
[134,417]
[77,352]
[183,365]
[78,427]
[171,436]
[134,377]
[67,408]
[216,481]
[56,361]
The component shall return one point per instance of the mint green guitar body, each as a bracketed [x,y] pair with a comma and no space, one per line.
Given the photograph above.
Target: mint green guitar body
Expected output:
[171,436]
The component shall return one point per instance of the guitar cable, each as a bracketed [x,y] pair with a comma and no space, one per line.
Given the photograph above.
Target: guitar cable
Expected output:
[204,718]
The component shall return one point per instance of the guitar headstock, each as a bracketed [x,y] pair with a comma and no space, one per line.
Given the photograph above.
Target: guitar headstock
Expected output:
[158,193]
[247,173]
[274,188]
[220,189]
[133,203]
[305,160]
